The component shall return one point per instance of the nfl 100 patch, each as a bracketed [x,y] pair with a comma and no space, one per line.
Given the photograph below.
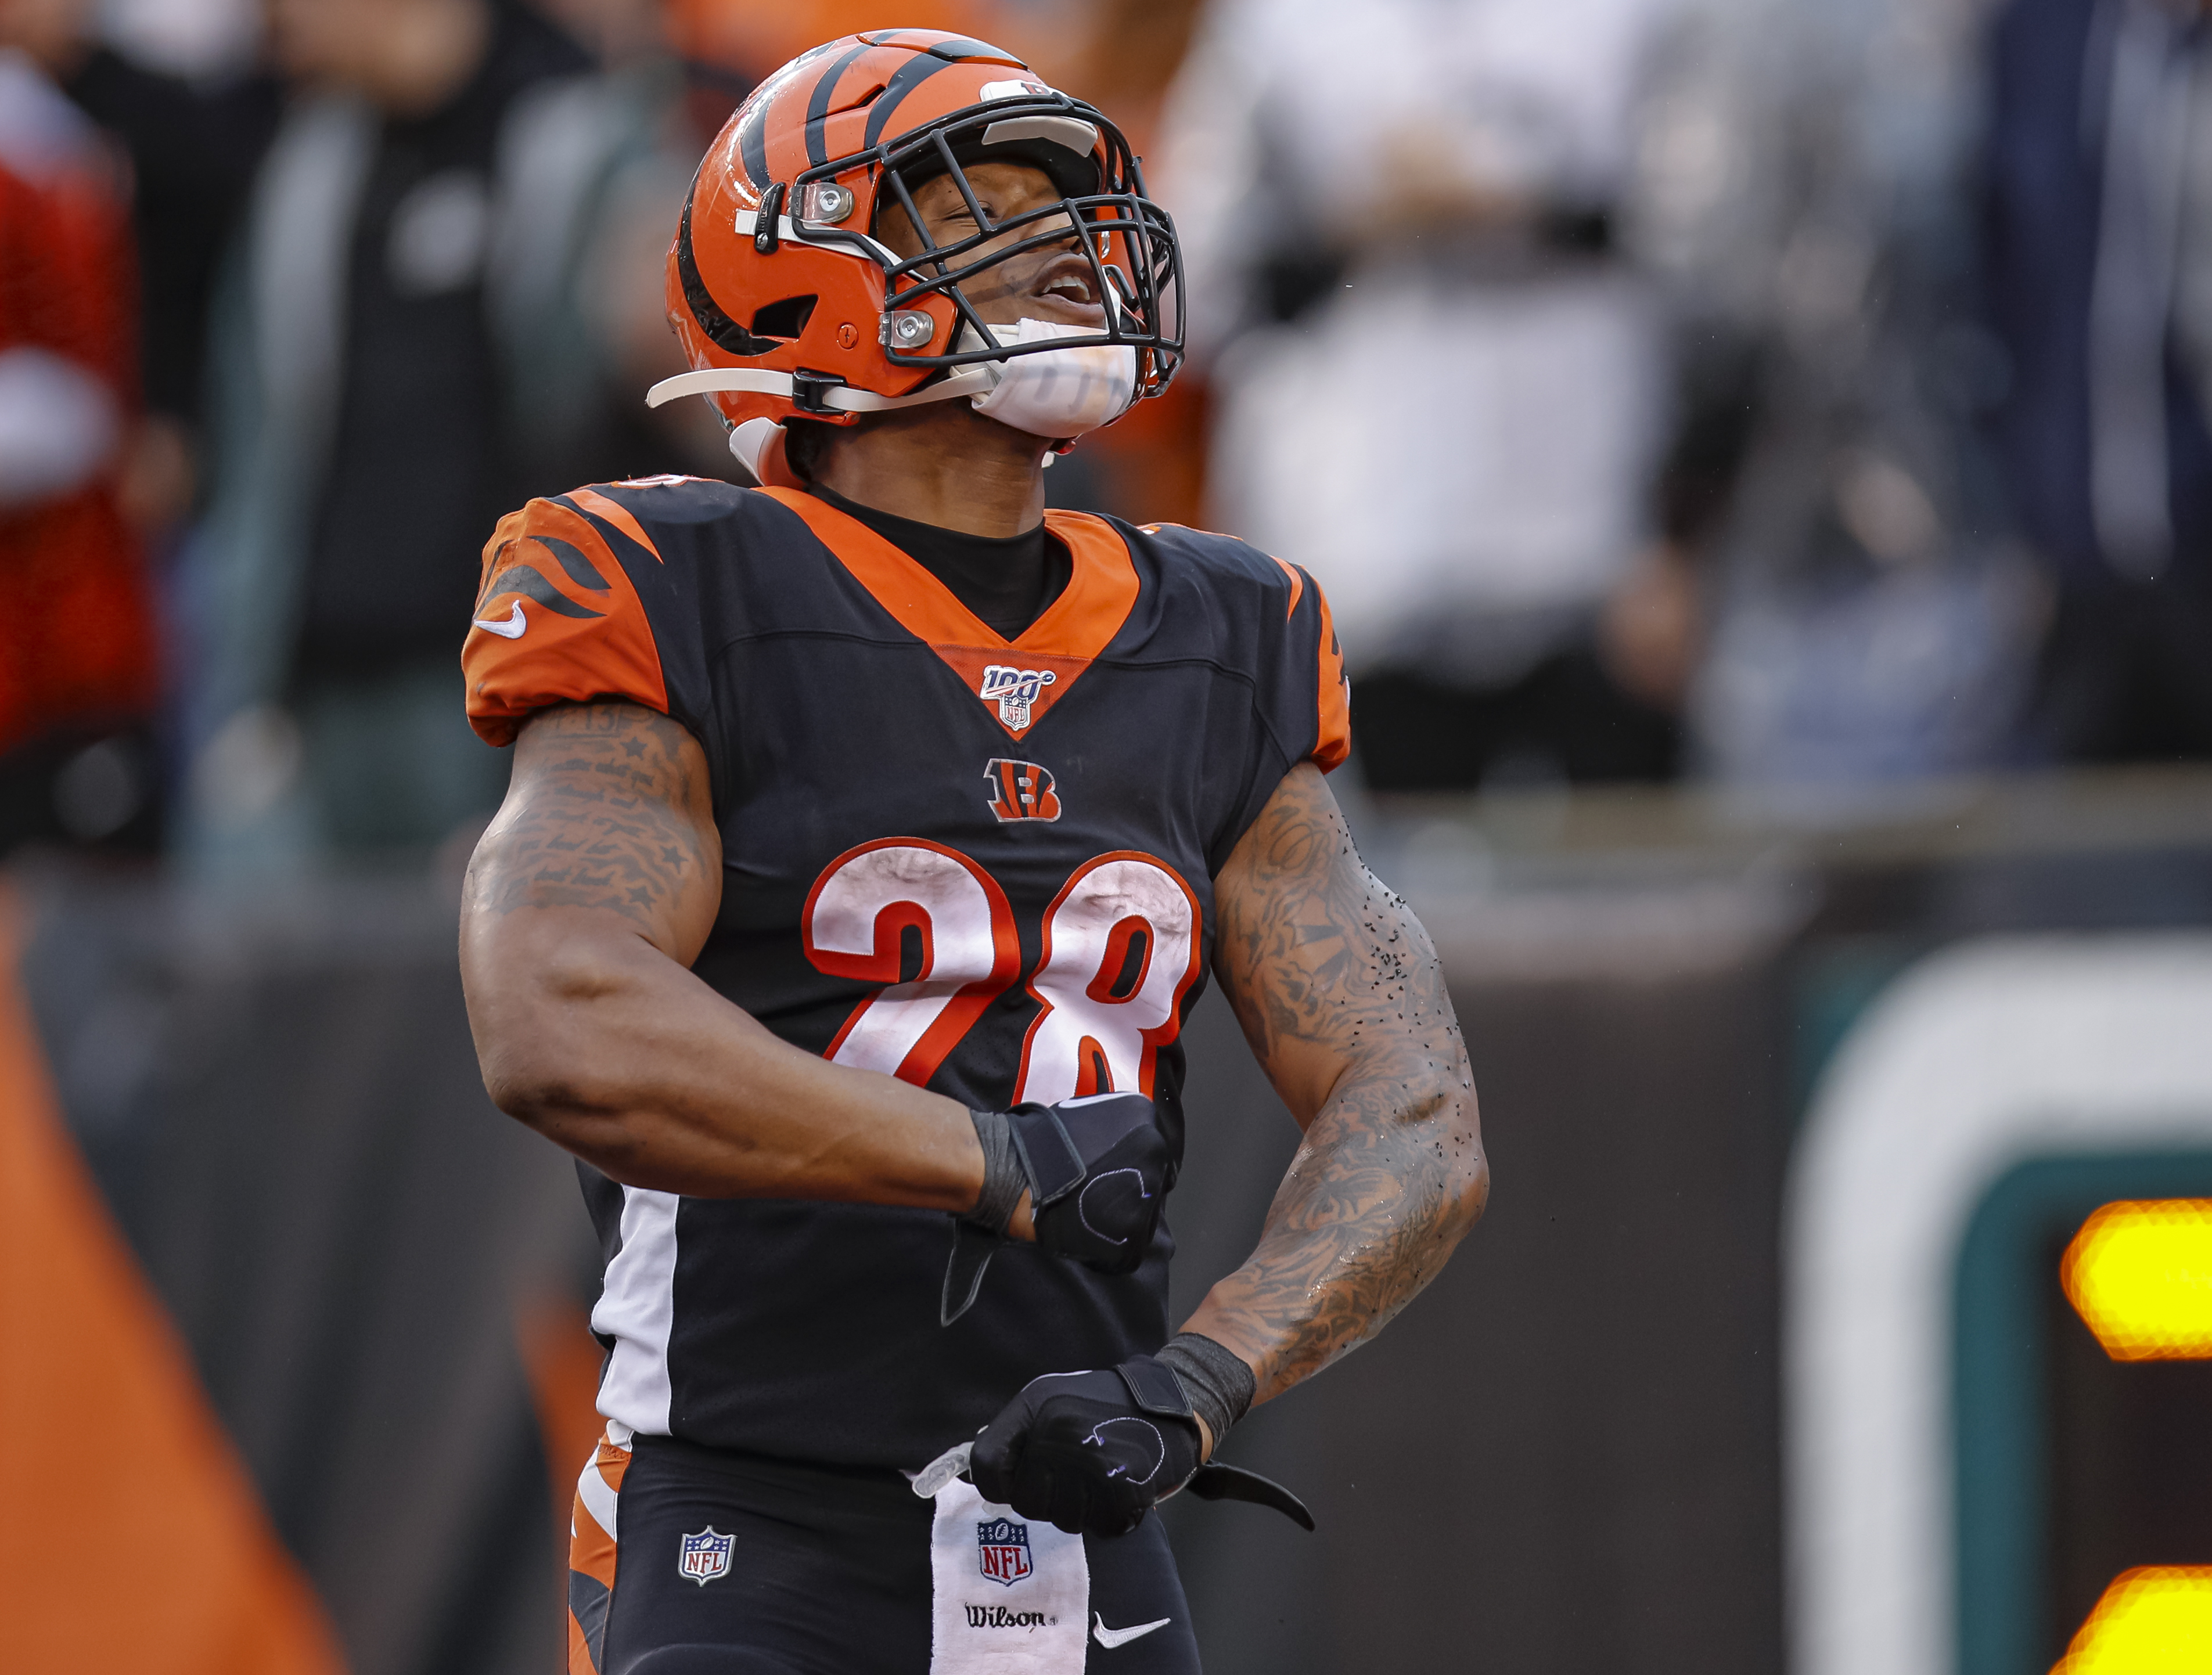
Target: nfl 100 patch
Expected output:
[1002,1550]
[1014,689]
[700,1558]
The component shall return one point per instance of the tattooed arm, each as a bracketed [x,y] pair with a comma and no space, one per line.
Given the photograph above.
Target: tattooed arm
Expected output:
[1340,994]
[589,899]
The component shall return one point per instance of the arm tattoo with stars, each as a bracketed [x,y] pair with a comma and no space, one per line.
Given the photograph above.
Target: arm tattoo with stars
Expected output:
[603,815]
[1326,967]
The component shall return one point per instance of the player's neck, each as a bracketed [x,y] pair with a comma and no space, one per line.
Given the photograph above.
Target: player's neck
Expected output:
[945,465]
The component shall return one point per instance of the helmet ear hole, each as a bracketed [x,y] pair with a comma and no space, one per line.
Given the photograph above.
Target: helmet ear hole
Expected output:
[786,319]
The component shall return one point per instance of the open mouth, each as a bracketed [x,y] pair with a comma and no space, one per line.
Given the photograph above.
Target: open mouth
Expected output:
[1068,282]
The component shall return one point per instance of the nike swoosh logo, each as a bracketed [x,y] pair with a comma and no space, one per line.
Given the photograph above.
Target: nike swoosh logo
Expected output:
[510,629]
[1110,1638]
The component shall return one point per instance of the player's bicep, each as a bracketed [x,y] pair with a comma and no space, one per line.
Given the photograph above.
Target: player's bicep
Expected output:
[608,821]
[1324,966]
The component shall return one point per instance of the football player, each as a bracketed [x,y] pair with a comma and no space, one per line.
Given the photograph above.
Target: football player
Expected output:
[870,836]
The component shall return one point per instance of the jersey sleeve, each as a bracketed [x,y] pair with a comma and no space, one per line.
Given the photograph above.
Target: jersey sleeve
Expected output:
[1273,629]
[1301,702]
[559,619]
[1314,706]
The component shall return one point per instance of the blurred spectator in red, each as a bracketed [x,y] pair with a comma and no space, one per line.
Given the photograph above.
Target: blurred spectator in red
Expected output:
[1439,360]
[79,664]
[405,348]
[2100,268]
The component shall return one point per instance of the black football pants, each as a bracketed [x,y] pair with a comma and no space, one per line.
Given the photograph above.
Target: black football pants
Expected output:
[827,1573]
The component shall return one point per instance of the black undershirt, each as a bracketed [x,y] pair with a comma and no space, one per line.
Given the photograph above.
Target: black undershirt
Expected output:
[1007,582]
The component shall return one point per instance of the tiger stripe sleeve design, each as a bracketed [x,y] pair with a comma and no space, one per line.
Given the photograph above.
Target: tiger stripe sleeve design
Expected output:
[558,618]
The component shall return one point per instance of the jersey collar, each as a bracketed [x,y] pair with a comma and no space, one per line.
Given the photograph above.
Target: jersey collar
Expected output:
[1021,678]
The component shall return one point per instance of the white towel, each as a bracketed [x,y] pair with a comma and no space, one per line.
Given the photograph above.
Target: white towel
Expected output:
[1008,1596]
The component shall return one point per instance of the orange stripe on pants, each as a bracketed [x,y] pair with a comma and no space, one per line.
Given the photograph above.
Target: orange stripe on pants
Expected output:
[592,1557]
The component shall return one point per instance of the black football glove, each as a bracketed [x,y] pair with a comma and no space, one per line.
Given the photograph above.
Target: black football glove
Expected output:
[1095,1451]
[1097,1172]
[1091,1453]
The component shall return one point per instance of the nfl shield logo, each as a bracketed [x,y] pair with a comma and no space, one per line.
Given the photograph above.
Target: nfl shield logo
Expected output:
[1014,689]
[700,1558]
[1002,1550]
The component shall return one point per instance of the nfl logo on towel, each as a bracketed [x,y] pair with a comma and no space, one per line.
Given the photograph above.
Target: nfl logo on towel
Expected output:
[1002,1550]
[703,1557]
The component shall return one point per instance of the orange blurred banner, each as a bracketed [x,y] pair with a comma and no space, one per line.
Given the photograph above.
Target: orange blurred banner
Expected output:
[135,1542]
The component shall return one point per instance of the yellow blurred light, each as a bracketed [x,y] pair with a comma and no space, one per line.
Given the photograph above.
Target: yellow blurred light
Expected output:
[2150,1622]
[2140,1272]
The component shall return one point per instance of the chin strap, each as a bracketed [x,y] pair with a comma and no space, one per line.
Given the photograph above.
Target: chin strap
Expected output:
[979,382]
[975,381]
[757,444]
[1029,394]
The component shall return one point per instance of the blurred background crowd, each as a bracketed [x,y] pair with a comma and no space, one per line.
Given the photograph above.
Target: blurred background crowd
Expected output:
[1795,399]
[1759,454]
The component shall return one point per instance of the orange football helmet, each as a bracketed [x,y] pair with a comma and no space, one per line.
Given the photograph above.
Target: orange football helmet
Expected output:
[786,303]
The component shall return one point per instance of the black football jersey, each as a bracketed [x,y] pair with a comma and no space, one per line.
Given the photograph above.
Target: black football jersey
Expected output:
[984,866]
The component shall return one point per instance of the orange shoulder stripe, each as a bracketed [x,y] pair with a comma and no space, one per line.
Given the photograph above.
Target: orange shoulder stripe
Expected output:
[617,514]
[546,636]
[1333,730]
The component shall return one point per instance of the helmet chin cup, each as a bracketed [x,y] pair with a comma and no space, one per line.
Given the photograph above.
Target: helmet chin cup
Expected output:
[1058,393]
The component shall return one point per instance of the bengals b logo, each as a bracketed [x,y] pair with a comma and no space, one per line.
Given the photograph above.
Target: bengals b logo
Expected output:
[1021,790]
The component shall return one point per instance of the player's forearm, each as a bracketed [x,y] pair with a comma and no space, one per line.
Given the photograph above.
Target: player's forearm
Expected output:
[606,1046]
[1341,995]
[1390,1177]
[588,899]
